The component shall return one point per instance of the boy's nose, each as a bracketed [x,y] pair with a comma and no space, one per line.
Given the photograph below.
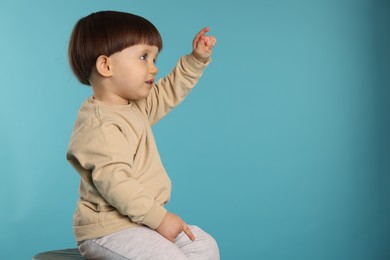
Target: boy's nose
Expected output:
[153,69]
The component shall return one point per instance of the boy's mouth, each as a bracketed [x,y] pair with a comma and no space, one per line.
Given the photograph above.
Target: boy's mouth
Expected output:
[150,82]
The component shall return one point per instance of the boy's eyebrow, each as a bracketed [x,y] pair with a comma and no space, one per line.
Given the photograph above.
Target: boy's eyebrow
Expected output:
[149,47]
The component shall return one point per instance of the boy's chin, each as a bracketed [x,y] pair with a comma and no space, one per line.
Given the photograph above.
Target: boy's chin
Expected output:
[146,94]
[141,96]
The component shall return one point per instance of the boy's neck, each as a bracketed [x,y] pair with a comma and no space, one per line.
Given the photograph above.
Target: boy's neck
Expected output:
[108,98]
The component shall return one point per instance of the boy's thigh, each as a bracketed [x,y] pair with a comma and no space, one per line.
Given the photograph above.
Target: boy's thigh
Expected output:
[204,247]
[132,243]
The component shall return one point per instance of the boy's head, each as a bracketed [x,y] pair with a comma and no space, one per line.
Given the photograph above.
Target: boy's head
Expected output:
[105,33]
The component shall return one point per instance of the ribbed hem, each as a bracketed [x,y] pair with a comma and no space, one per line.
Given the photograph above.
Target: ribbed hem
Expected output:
[155,216]
[193,64]
[96,230]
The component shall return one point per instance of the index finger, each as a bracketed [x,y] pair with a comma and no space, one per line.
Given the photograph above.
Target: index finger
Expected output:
[188,232]
[200,34]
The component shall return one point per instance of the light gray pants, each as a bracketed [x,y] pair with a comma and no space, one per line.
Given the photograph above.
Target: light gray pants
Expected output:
[143,243]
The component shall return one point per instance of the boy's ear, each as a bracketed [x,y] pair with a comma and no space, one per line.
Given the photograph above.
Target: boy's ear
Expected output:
[104,66]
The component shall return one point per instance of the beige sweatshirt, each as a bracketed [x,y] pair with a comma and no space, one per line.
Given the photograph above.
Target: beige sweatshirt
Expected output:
[123,182]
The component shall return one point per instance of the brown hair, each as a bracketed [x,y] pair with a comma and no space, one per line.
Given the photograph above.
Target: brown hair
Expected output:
[105,33]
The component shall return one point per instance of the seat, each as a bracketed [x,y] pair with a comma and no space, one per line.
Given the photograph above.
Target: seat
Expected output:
[62,254]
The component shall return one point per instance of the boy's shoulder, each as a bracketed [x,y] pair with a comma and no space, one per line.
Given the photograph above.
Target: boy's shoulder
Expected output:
[96,118]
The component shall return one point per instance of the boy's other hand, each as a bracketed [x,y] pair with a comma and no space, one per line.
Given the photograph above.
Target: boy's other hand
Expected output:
[202,45]
[172,225]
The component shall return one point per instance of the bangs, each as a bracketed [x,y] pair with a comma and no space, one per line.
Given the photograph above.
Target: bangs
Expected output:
[144,35]
[122,30]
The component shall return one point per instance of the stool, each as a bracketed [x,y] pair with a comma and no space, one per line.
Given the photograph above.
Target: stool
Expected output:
[63,254]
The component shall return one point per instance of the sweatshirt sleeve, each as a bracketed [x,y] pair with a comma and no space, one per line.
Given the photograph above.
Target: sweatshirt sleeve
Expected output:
[171,90]
[107,157]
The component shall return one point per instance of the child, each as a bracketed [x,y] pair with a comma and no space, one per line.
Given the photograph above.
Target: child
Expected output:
[124,186]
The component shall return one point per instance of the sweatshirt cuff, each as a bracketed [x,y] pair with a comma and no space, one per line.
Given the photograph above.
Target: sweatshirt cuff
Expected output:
[155,216]
[193,64]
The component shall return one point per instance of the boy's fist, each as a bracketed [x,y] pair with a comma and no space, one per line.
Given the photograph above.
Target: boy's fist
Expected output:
[172,225]
[202,45]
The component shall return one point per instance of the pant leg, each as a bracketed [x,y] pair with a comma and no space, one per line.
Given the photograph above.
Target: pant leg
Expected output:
[204,247]
[137,243]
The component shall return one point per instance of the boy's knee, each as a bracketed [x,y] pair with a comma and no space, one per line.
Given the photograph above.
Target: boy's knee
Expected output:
[207,244]
[213,249]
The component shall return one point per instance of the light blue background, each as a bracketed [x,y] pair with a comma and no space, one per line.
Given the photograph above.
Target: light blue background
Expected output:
[282,151]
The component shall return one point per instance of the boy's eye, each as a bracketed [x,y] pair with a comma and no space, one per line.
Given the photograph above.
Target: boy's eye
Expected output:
[144,57]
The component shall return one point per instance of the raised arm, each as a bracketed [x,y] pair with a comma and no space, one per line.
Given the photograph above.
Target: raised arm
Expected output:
[171,90]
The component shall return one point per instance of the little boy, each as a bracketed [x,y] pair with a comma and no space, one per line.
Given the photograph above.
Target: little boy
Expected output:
[124,186]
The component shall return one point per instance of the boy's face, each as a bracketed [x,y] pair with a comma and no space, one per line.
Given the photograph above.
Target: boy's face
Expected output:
[133,72]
